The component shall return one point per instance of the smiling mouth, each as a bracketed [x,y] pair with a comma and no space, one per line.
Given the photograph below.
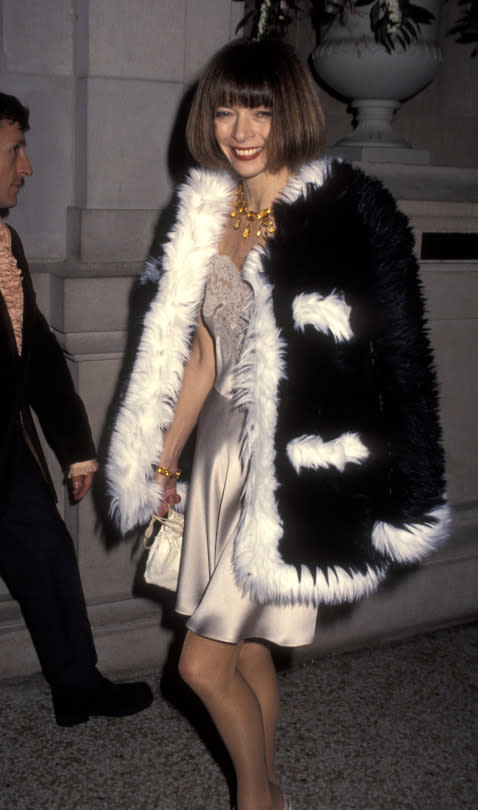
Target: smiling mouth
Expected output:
[247,154]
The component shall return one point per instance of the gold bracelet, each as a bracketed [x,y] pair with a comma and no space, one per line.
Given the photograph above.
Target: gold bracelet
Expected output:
[167,473]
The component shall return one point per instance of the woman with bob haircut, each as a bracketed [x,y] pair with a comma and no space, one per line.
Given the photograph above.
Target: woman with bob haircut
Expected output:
[288,324]
[297,128]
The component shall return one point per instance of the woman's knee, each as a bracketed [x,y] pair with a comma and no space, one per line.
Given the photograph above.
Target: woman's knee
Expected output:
[192,668]
[205,665]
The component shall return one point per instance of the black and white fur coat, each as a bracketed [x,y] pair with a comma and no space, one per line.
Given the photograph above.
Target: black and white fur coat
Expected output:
[341,436]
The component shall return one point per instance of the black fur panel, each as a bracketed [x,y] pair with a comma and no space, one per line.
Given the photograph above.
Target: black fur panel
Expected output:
[349,237]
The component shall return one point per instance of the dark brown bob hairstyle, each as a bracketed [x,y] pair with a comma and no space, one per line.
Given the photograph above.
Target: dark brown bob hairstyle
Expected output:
[251,74]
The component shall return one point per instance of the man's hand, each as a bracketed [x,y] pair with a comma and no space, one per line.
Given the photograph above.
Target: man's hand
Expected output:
[80,484]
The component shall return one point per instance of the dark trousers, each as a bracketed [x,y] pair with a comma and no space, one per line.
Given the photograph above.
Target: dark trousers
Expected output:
[38,564]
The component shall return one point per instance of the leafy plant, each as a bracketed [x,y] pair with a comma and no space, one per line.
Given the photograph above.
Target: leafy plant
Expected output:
[270,18]
[391,21]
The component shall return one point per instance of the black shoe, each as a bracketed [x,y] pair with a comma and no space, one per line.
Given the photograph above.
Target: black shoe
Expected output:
[76,705]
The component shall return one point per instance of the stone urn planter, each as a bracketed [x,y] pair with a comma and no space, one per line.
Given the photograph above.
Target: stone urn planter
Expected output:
[376,81]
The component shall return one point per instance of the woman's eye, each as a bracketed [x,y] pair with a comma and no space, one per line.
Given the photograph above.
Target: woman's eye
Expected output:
[264,113]
[221,113]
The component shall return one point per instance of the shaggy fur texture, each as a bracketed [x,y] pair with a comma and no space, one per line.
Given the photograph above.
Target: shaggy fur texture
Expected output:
[341,435]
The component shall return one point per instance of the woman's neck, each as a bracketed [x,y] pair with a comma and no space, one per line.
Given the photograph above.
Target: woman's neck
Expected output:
[261,191]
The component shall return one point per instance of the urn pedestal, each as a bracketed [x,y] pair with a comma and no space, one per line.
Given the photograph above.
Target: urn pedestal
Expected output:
[376,81]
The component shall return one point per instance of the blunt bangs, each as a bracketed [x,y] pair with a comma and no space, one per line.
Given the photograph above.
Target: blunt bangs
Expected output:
[236,94]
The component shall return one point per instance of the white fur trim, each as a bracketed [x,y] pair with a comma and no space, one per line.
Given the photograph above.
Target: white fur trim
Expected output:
[313,173]
[326,314]
[410,543]
[280,585]
[148,407]
[312,452]
[260,369]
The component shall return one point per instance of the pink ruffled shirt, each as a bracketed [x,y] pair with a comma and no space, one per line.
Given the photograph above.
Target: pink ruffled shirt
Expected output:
[11,287]
[11,284]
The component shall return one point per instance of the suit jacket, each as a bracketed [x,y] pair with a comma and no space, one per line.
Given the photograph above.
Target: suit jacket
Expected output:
[341,437]
[37,379]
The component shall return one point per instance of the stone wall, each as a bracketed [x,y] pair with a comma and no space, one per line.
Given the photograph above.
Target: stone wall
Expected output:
[104,81]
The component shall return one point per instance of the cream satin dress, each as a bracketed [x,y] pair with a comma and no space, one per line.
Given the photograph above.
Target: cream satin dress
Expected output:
[207,589]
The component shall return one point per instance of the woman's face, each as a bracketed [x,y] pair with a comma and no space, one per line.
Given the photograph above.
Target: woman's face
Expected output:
[242,134]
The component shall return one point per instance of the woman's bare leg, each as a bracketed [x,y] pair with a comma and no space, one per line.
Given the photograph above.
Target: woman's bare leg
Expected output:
[256,665]
[210,668]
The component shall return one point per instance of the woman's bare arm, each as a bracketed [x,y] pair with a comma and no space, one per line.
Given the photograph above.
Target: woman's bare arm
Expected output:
[198,380]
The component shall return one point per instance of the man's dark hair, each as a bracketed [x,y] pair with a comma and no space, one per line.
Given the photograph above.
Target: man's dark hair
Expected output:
[11,109]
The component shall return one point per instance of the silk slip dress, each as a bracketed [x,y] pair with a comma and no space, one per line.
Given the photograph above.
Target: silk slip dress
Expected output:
[207,589]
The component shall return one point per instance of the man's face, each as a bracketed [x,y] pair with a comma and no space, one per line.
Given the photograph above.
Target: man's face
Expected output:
[14,164]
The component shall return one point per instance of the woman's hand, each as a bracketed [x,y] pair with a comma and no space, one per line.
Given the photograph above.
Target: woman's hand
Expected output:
[170,495]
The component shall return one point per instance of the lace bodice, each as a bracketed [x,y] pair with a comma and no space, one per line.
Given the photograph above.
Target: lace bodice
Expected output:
[226,306]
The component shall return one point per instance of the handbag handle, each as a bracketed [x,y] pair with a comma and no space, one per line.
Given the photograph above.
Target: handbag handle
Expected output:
[174,525]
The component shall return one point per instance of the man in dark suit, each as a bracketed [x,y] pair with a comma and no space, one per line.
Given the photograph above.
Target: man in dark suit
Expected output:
[37,558]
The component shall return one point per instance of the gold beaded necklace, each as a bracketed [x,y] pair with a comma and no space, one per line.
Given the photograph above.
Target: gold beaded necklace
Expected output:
[265,219]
